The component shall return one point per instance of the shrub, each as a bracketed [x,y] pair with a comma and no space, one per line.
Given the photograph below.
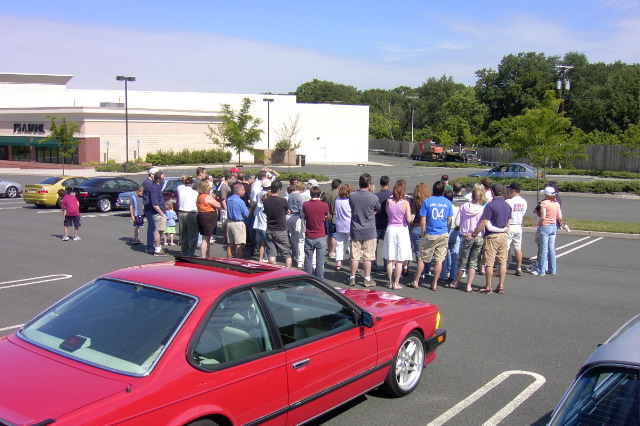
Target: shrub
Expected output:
[596,187]
[170,158]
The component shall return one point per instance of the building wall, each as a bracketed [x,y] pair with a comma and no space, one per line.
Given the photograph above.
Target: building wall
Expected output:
[179,120]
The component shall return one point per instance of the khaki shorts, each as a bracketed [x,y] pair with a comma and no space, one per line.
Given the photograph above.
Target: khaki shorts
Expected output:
[495,249]
[365,248]
[514,236]
[236,233]
[160,222]
[433,247]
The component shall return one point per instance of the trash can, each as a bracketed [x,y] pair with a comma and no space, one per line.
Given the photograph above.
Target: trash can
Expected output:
[300,160]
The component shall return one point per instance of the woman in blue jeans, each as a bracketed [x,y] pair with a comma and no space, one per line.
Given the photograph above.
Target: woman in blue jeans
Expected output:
[550,216]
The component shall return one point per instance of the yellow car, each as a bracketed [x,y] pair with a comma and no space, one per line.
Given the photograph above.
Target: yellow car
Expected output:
[45,192]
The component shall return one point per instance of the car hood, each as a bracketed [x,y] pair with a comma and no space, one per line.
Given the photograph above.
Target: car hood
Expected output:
[37,385]
[379,302]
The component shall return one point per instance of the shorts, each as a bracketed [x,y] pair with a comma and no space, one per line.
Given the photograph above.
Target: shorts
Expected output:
[330,229]
[469,253]
[514,236]
[207,222]
[433,247]
[278,243]
[495,249]
[365,248]
[138,221]
[261,236]
[72,221]
[170,230]
[236,232]
[222,216]
[160,222]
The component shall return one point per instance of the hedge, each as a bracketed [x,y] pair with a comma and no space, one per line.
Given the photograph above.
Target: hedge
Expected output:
[170,158]
[596,187]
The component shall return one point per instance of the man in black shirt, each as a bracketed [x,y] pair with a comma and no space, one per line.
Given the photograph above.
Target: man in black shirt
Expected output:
[276,209]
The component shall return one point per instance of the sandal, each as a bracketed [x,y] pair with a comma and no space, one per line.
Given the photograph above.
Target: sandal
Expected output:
[451,285]
[500,290]
[485,290]
[433,288]
[396,287]
[413,285]
[338,268]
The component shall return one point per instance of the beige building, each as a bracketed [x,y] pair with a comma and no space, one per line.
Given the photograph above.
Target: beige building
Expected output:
[329,133]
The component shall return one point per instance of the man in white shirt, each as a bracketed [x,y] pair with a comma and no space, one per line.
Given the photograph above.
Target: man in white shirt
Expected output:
[514,234]
[187,216]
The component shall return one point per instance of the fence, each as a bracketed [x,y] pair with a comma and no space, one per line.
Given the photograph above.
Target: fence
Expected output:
[599,157]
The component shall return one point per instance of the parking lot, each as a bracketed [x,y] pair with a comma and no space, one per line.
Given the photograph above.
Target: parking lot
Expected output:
[508,358]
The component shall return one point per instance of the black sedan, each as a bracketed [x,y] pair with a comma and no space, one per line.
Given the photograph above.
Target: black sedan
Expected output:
[101,193]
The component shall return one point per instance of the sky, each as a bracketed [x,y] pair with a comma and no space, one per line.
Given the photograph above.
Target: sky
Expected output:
[244,46]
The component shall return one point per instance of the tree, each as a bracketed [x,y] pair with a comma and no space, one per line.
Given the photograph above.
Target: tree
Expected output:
[519,83]
[542,135]
[287,136]
[62,133]
[217,136]
[239,128]
[326,92]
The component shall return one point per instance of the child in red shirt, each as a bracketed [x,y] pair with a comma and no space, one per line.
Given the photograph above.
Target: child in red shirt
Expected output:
[71,213]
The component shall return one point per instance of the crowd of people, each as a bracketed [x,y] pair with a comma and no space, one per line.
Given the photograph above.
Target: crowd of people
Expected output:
[449,235]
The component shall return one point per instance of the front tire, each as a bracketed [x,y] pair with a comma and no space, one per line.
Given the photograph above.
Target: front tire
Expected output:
[406,369]
[104,205]
[12,192]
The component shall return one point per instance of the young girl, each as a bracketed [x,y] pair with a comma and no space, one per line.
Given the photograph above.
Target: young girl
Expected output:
[171,224]
[136,209]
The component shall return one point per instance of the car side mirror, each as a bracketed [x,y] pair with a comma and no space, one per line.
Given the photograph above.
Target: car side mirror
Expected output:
[366,319]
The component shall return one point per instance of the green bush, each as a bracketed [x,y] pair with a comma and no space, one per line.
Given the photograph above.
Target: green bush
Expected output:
[598,173]
[170,158]
[595,187]
[284,176]
[112,167]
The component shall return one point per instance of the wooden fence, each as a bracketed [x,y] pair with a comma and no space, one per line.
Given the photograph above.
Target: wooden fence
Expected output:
[599,157]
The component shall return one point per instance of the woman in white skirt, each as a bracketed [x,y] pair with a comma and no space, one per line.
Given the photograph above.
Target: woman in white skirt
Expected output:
[397,243]
[343,222]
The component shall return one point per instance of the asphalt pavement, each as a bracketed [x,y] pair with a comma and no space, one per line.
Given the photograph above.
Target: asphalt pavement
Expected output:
[507,357]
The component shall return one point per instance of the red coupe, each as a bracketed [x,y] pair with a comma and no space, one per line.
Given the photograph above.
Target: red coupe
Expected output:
[211,342]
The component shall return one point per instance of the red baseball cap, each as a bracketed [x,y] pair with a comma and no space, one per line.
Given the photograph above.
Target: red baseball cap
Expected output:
[234,170]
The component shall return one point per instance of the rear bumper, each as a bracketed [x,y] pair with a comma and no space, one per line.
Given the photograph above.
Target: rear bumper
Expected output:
[435,340]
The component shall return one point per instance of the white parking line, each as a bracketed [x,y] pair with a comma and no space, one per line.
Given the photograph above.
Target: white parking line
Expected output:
[10,208]
[31,281]
[570,244]
[504,411]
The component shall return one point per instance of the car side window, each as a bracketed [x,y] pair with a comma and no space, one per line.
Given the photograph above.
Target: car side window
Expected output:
[303,311]
[235,331]
[110,184]
[127,185]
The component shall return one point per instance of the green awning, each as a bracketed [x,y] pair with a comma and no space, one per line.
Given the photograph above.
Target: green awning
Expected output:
[25,141]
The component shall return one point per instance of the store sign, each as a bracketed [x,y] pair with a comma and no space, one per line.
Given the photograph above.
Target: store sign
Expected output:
[28,128]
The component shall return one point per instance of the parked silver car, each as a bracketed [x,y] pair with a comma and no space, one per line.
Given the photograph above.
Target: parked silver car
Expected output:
[510,170]
[10,189]
[606,389]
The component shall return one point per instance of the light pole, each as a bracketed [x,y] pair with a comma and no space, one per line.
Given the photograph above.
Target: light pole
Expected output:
[268,101]
[126,118]
[412,113]
[563,84]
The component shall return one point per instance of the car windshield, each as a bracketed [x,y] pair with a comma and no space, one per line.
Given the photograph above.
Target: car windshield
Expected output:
[50,181]
[172,186]
[113,325]
[602,396]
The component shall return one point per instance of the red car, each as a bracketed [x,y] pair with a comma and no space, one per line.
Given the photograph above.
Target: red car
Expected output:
[211,342]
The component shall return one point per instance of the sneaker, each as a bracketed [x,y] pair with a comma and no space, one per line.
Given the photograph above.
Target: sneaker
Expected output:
[350,282]
[405,272]
[76,238]
[332,255]
[65,238]
[369,283]
[534,272]
[518,273]
[160,253]
[464,274]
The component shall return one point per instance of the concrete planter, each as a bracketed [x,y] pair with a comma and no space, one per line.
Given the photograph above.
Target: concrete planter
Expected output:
[271,156]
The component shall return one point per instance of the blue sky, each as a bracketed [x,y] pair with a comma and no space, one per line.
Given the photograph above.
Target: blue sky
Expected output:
[247,46]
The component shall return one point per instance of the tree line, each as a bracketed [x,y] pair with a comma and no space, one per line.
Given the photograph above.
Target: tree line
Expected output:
[514,106]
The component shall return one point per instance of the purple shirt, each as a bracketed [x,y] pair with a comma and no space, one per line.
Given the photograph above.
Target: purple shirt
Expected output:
[498,211]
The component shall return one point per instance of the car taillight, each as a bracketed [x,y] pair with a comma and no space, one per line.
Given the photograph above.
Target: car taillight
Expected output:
[83,194]
[42,191]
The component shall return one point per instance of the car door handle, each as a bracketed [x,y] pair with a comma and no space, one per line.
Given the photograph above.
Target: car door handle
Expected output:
[300,364]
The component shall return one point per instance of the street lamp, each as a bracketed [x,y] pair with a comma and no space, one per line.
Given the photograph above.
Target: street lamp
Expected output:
[412,113]
[126,118]
[563,84]
[268,101]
